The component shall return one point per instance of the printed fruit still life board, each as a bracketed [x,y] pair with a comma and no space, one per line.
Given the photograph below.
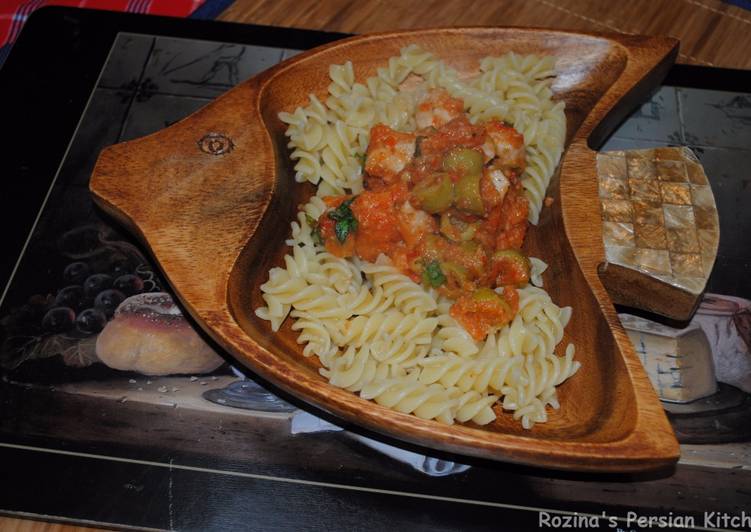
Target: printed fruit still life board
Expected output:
[439,282]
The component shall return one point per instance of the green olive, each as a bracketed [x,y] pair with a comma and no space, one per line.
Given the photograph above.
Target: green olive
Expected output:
[517,258]
[468,197]
[482,295]
[457,230]
[434,194]
[447,228]
[463,161]
[485,294]
[455,271]
[470,232]
[513,267]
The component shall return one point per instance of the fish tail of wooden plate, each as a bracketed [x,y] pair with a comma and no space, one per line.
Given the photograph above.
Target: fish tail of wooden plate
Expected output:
[648,62]
[191,193]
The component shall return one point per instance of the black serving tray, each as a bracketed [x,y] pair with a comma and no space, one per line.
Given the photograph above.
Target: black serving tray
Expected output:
[78,80]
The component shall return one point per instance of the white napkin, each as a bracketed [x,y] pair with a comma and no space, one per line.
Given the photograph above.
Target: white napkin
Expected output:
[303,422]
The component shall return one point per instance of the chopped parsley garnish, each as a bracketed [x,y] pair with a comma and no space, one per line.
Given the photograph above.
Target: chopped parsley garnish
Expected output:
[433,275]
[345,220]
[315,230]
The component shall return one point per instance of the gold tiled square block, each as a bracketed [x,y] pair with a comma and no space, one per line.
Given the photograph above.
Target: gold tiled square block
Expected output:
[672,171]
[623,255]
[707,263]
[686,264]
[706,217]
[683,240]
[617,210]
[668,154]
[659,215]
[648,213]
[678,216]
[653,260]
[675,193]
[640,164]
[708,240]
[701,196]
[614,188]
[646,190]
[650,236]
[612,164]
[696,175]
[618,234]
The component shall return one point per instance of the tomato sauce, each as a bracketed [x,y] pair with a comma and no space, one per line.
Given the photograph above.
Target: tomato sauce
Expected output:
[446,205]
[378,217]
[477,314]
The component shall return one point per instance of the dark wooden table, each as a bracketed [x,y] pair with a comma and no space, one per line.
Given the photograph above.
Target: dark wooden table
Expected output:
[712,32]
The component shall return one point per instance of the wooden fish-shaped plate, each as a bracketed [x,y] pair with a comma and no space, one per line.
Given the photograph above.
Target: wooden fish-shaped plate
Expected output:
[212,197]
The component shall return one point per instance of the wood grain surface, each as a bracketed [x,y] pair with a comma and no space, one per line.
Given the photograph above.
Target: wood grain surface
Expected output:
[711,32]
[217,223]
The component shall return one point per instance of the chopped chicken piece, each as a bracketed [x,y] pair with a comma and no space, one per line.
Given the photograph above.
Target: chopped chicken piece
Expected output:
[436,108]
[389,152]
[414,224]
[507,144]
[494,186]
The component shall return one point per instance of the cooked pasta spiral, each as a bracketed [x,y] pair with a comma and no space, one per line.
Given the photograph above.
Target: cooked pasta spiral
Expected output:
[374,330]
[408,295]
[412,397]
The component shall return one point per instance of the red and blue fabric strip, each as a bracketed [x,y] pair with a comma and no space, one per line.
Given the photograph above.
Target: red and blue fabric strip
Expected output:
[13,13]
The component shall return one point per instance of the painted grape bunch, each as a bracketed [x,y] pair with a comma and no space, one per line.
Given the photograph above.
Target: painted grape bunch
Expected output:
[100,272]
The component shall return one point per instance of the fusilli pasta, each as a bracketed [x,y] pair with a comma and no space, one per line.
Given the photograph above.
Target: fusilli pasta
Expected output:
[375,331]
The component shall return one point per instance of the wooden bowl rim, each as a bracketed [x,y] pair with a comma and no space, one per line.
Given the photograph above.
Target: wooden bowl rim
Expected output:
[634,451]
